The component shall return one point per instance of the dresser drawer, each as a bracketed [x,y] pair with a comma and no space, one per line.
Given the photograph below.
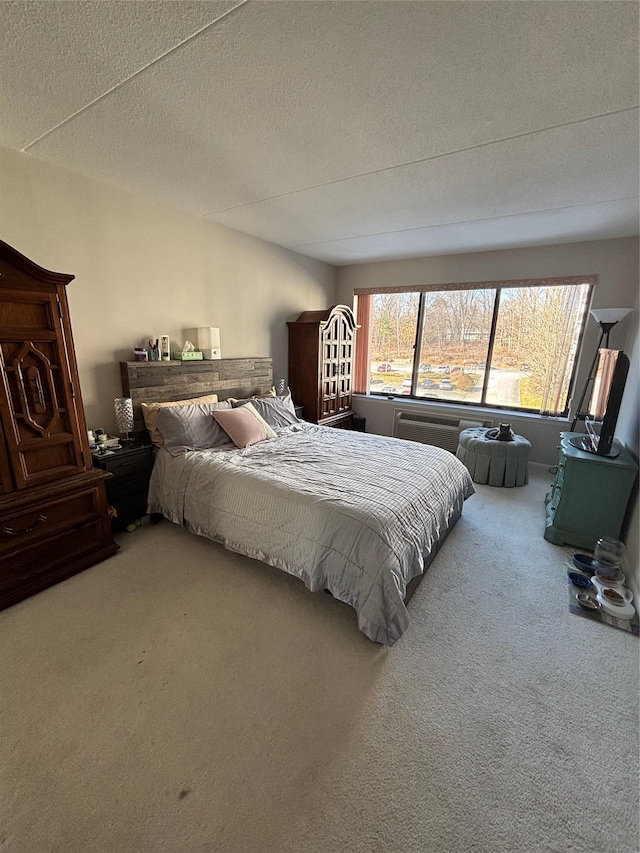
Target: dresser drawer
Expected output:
[44,557]
[40,521]
[42,564]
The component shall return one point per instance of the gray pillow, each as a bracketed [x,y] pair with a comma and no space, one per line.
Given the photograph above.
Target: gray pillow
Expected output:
[276,411]
[192,427]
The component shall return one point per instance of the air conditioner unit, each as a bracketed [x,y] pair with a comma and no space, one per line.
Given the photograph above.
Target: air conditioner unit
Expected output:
[433,429]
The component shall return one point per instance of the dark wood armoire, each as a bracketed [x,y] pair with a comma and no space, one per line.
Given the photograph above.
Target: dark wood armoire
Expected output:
[53,512]
[321,359]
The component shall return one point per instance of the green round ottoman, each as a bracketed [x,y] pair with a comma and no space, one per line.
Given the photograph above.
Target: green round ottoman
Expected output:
[492,462]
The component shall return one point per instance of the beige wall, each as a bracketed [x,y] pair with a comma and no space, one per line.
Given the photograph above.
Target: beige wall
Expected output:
[145,269]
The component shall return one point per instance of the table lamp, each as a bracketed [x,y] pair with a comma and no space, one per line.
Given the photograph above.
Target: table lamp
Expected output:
[124,416]
[606,318]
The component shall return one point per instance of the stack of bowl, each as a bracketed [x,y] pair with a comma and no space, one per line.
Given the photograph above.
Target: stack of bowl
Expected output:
[614,598]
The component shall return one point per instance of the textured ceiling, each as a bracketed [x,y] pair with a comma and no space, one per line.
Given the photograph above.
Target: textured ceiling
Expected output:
[348,131]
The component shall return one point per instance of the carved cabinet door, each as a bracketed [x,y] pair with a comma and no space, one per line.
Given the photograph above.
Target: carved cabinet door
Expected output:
[6,480]
[330,366]
[345,356]
[337,341]
[38,415]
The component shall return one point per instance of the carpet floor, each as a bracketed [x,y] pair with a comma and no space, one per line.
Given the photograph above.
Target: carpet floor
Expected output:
[181,698]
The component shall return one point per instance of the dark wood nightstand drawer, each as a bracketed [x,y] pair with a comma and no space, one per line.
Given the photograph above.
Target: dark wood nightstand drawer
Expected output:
[128,487]
[125,463]
[125,487]
[130,507]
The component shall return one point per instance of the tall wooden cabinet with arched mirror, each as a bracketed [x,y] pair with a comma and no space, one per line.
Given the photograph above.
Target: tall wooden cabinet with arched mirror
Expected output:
[54,518]
[321,361]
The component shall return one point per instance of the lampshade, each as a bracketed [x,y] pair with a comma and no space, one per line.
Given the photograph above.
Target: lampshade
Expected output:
[207,340]
[124,415]
[609,315]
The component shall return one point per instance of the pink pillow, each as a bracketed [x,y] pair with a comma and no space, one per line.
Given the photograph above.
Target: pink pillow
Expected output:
[244,426]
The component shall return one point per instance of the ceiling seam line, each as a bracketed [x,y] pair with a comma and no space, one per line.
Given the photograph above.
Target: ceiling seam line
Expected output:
[422,160]
[131,76]
[461,222]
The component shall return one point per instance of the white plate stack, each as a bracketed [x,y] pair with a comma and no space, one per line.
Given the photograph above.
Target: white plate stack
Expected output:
[622,609]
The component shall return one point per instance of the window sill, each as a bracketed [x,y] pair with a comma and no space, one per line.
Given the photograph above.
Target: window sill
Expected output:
[481,412]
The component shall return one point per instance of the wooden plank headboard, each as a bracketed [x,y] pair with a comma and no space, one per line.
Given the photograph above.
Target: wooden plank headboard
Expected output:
[163,381]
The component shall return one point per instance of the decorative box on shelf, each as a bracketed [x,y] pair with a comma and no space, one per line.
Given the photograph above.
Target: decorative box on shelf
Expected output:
[194,355]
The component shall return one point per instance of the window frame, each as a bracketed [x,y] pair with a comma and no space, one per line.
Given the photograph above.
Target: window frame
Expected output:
[498,286]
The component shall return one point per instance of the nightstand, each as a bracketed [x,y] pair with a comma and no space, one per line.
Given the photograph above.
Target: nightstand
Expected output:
[128,487]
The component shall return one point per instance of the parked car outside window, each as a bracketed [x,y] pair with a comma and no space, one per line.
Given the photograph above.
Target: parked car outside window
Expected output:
[406,383]
[384,368]
[446,385]
[427,383]
[444,368]
[425,366]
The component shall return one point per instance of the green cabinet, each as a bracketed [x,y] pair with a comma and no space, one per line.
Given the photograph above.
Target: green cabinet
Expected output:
[589,497]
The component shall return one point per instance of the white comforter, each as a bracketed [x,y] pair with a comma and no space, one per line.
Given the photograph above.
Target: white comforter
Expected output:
[352,513]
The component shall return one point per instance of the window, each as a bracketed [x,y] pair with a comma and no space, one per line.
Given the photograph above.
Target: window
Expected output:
[510,345]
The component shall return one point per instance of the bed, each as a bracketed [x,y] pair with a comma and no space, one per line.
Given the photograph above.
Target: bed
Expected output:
[356,514]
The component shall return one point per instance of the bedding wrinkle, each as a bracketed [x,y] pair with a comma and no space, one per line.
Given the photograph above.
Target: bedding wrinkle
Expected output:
[349,512]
